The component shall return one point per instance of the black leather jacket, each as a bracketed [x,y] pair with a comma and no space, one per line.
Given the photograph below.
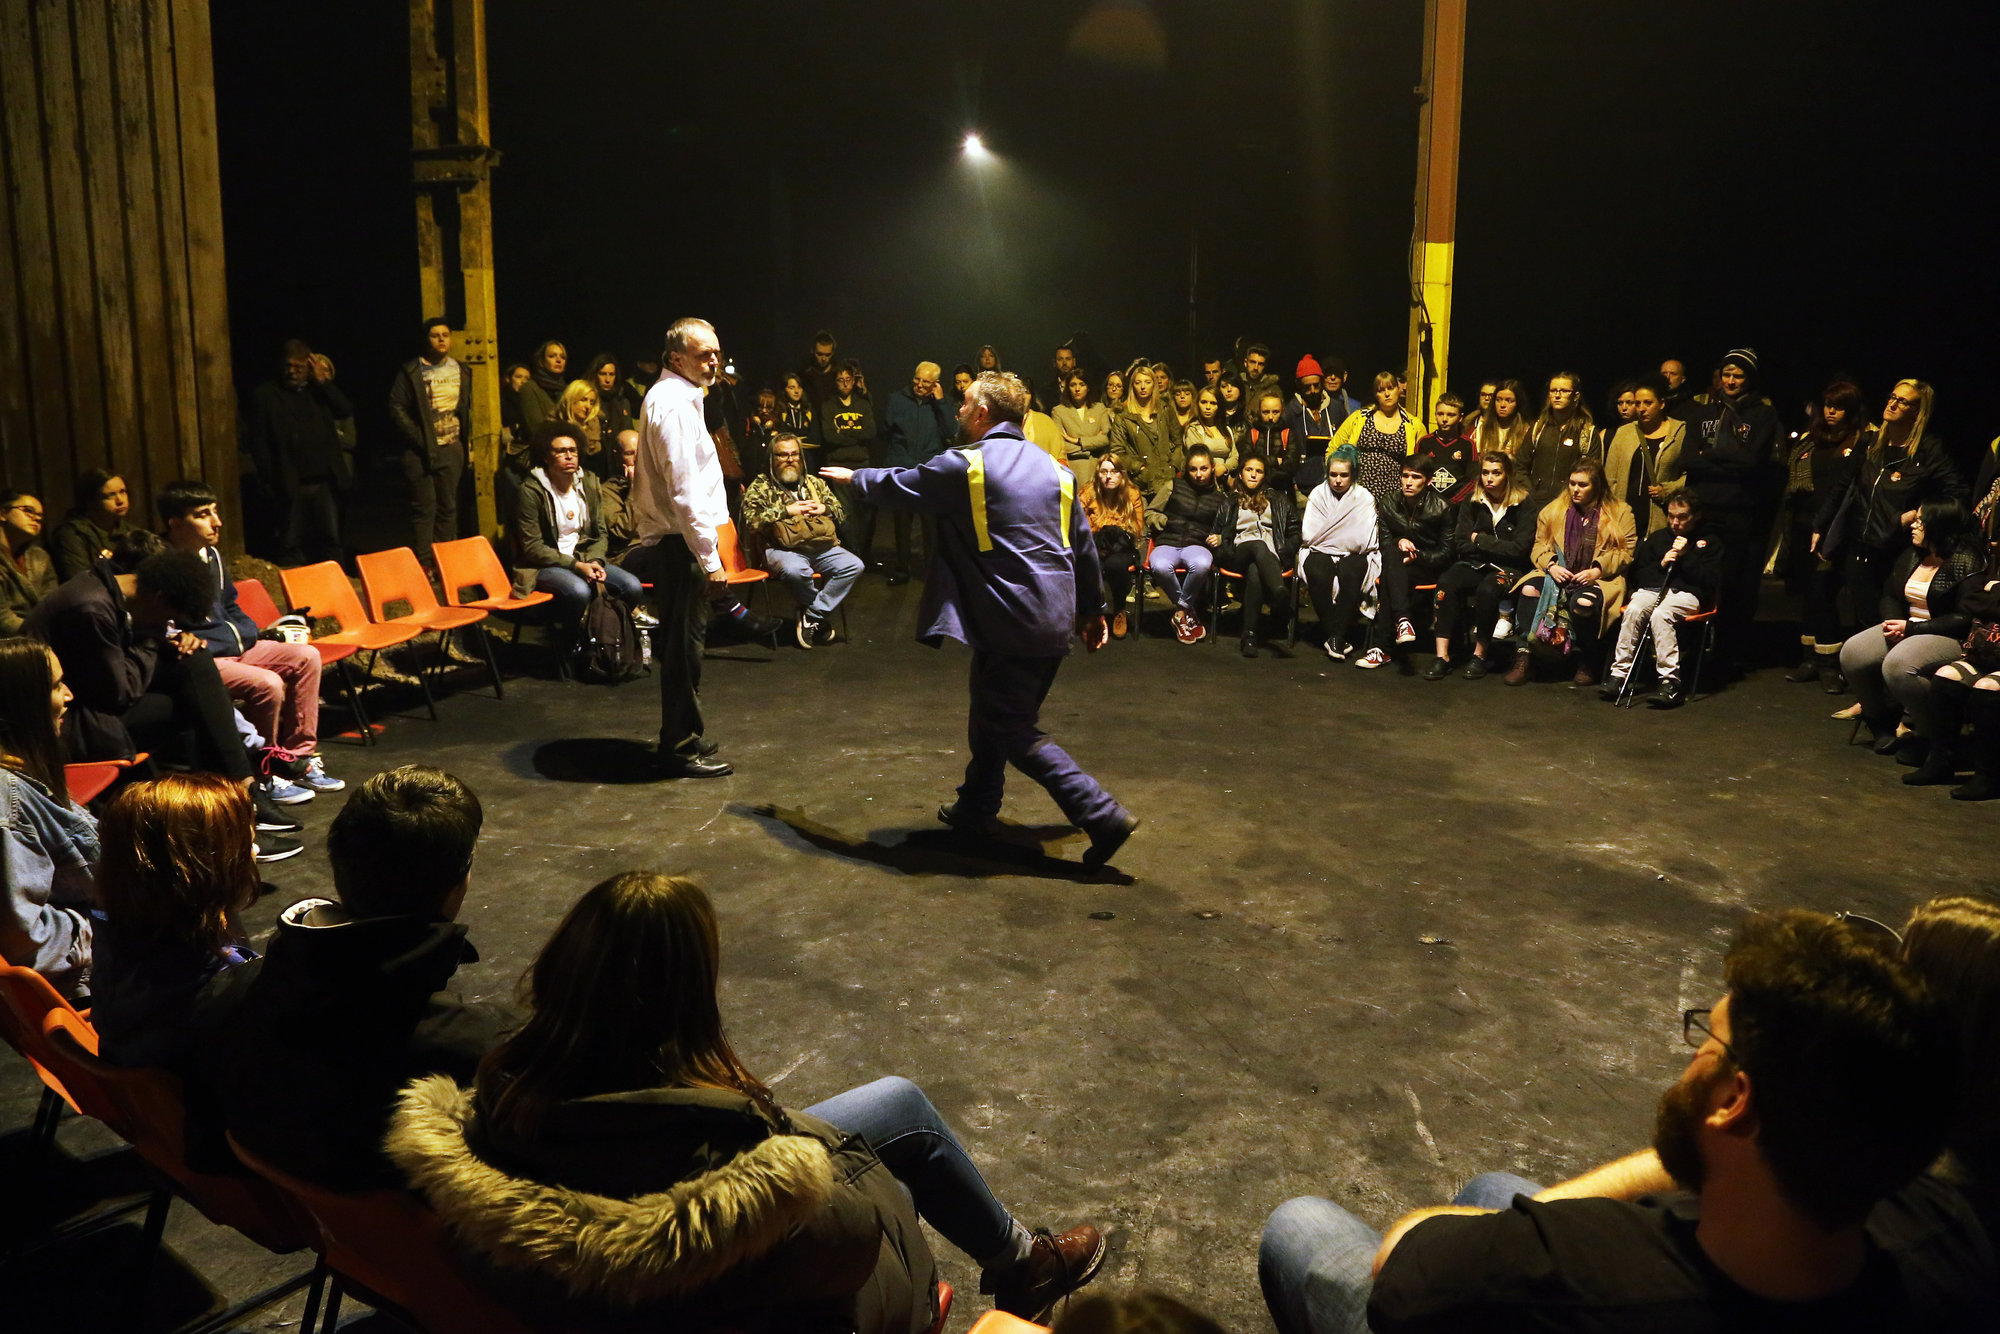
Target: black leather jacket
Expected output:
[1478,540]
[1425,521]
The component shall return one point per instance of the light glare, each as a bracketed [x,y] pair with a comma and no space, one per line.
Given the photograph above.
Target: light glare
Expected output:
[974,146]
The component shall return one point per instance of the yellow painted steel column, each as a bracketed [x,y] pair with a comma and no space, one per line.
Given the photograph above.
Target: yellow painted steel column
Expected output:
[1436,221]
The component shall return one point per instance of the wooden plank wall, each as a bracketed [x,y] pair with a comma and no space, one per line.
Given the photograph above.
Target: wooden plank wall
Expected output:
[114,333]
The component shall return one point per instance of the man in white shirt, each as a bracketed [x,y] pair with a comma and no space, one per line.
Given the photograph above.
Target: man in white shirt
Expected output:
[676,506]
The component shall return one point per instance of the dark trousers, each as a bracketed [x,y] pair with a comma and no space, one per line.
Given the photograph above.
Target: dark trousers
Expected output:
[1480,586]
[433,500]
[186,696]
[1742,577]
[1335,609]
[1263,581]
[680,600]
[1117,554]
[1003,728]
[312,524]
[1865,571]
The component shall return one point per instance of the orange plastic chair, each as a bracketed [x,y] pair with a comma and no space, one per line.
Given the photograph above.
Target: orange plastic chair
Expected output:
[999,1322]
[471,562]
[87,780]
[26,1001]
[255,600]
[396,576]
[731,552]
[388,1249]
[148,1110]
[322,590]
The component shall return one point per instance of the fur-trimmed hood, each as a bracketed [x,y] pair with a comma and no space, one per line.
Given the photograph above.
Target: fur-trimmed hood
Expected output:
[623,1252]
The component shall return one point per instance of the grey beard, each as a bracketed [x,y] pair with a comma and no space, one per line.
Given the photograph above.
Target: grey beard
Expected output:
[790,476]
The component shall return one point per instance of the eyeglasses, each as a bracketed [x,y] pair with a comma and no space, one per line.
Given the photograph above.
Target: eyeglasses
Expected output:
[1696,1032]
[1906,402]
[29,510]
[1881,932]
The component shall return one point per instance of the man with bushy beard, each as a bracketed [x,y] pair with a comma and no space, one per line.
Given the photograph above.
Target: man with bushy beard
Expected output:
[782,507]
[1822,1084]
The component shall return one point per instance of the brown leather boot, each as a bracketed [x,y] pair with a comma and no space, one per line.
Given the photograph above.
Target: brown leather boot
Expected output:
[1056,1266]
[1517,675]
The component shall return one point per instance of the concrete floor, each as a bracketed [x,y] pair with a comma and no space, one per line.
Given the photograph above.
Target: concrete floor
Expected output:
[1376,936]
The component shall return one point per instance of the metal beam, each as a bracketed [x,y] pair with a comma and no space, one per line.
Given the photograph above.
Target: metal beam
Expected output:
[1435,228]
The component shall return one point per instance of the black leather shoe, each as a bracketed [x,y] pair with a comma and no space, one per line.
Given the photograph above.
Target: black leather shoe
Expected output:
[897,578]
[705,748]
[967,821]
[693,766]
[1107,839]
[1671,696]
[1439,669]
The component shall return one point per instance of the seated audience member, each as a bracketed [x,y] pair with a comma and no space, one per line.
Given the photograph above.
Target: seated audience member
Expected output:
[1340,550]
[273,684]
[1117,514]
[616,491]
[93,527]
[559,527]
[27,574]
[348,1003]
[1313,416]
[1416,548]
[1642,461]
[177,870]
[1822,1085]
[1583,542]
[1133,1313]
[1449,456]
[1084,422]
[579,407]
[1256,534]
[1890,665]
[621,1093]
[48,844]
[1674,575]
[918,421]
[798,518]
[1208,431]
[1969,689]
[1490,544]
[1272,440]
[1182,542]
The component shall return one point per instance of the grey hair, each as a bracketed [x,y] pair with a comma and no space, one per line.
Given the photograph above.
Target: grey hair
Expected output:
[1001,393]
[677,337]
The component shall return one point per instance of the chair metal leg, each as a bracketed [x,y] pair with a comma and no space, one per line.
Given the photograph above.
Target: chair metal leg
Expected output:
[1700,660]
[424,680]
[332,1321]
[322,1279]
[492,664]
[48,1115]
[361,723]
[149,1253]
[1292,631]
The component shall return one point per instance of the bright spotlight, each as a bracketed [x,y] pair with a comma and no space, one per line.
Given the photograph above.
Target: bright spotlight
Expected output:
[974,146]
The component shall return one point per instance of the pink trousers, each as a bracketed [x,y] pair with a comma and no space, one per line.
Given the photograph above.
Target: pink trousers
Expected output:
[276,686]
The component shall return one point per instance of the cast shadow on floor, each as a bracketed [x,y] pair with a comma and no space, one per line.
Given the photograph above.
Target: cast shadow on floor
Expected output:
[943,851]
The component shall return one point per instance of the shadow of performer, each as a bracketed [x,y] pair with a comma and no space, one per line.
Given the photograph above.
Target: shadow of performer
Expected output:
[946,851]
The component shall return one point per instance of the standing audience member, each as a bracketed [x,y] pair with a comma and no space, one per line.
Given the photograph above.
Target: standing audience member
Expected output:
[1417,527]
[1821,463]
[848,439]
[178,870]
[1583,542]
[293,439]
[349,1002]
[1903,466]
[430,401]
[1258,380]
[1183,545]
[1257,534]
[1272,440]
[1680,394]
[1139,434]
[1674,575]
[1114,393]
[1890,665]
[798,517]
[1236,412]
[274,684]
[797,414]
[1313,416]
[1731,451]
[621,1090]
[1490,545]
[48,844]
[1085,424]
[544,386]
[1340,550]
[1561,437]
[819,372]
[1117,514]
[559,528]
[614,406]
[1502,425]
[94,525]
[1620,407]
[1642,462]
[917,422]
[27,574]
[1449,457]
[1382,439]
[1222,445]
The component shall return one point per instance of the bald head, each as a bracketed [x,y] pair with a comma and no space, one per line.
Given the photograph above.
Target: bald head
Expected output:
[924,380]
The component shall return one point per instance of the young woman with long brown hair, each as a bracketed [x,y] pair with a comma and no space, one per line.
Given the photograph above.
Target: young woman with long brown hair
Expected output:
[618,1155]
[1117,515]
[49,843]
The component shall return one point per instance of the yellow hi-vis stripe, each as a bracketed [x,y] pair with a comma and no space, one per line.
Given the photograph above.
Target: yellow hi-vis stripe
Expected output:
[975,485]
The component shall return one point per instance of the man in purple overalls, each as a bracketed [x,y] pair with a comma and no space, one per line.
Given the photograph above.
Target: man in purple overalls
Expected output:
[1013,574]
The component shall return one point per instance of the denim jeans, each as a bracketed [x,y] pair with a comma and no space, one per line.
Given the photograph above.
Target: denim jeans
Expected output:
[1196,560]
[913,1142]
[572,590]
[1314,1258]
[795,569]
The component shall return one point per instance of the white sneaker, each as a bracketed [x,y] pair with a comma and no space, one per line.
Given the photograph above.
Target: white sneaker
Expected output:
[1336,651]
[1503,627]
[805,631]
[644,620]
[1373,658]
[318,779]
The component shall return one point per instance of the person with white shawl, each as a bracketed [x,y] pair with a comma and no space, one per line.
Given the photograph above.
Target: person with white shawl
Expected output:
[1340,551]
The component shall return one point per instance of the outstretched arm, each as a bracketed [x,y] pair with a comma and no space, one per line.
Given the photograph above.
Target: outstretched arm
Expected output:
[933,488]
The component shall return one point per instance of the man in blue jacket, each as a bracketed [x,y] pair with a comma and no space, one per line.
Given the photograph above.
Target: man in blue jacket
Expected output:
[1013,574]
[916,422]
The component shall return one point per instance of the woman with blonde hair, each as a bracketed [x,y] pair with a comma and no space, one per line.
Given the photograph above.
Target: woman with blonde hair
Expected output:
[618,1160]
[48,843]
[178,868]
[1117,514]
[581,408]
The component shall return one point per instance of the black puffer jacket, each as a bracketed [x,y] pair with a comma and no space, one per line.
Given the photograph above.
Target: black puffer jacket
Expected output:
[1425,521]
[1284,527]
[1478,539]
[1954,578]
[1190,512]
[683,1209]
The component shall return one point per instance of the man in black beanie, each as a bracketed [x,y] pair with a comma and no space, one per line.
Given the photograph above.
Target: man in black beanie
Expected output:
[1732,459]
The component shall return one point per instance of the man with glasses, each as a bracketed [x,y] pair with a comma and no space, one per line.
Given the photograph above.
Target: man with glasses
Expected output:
[916,422]
[1821,1085]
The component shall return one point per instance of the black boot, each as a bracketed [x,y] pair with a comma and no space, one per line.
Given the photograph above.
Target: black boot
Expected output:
[1985,784]
[1249,642]
[1808,669]
[1881,731]
[1948,702]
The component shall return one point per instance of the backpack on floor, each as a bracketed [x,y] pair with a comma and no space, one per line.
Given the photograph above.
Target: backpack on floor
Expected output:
[609,650]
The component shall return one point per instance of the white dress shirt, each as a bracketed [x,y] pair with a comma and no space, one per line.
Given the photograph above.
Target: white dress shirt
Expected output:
[677,483]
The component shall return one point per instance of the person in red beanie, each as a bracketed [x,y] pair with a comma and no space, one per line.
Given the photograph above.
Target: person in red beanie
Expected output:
[1313,416]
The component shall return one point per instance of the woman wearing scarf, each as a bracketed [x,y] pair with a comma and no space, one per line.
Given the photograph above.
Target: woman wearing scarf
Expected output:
[1341,548]
[615,408]
[1583,541]
[546,382]
[1117,514]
